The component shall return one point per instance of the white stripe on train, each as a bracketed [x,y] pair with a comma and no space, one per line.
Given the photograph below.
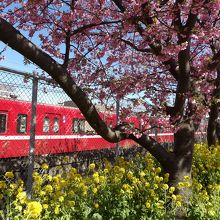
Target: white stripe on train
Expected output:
[39,137]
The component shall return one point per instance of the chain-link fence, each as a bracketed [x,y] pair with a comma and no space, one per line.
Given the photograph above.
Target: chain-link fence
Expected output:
[40,124]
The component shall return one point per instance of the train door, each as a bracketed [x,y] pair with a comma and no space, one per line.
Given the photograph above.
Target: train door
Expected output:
[51,140]
[3,131]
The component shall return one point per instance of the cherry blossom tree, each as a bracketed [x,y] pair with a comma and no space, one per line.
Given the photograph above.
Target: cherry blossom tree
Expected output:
[160,50]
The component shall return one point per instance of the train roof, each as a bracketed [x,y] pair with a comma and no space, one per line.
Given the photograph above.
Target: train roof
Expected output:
[66,104]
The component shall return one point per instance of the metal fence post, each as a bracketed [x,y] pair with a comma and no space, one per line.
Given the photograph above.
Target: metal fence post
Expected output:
[156,133]
[32,138]
[117,122]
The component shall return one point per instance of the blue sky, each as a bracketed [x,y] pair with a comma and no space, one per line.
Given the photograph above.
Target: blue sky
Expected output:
[14,60]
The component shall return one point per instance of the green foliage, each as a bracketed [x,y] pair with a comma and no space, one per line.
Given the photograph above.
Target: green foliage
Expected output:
[134,189]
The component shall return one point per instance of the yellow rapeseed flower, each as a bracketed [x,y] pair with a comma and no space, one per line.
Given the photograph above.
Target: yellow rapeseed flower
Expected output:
[34,209]
[165,187]
[48,188]
[42,193]
[134,180]
[57,210]
[199,186]
[152,193]
[166,176]
[157,179]
[71,203]
[20,189]
[66,159]
[35,173]
[9,175]
[45,206]
[211,212]
[61,199]
[13,186]
[171,189]
[147,184]
[102,179]
[181,185]
[179,197]
[96,180]
[178,204]
[95,175]
[186,178]
[38,180]
[160,204]
[18,207]
[122,170]
[47,177]
[147,204]
[71,193]
[142,174]
[95,190]
[92,166]
[158,170]
[45,166]
[155,186]
[129,175]
[96,205]
[174,197]
[73,170]
[106,170]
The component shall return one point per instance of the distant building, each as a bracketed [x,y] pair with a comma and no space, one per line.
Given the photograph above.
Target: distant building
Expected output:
[70,104]
[6,92]
[100,108]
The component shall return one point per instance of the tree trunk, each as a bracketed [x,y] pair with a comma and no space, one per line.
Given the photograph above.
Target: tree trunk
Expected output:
[213,130]
[218,131]
[212,125]
[184,140]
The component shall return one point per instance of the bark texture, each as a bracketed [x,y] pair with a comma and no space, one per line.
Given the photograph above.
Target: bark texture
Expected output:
[213,130]
[212,125]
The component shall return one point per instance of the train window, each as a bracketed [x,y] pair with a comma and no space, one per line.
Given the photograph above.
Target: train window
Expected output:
[78,125]
[22,124]
[46,125]
[82,126]
[3,120]
[56,125]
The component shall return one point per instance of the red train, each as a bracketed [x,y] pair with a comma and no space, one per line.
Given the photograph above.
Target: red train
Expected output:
[59,129]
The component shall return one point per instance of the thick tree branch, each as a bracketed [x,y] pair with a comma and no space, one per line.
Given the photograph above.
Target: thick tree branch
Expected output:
[177,19]
[119,4]
[171,62]
[156,149]
[10,36]
[144,50]
[215,63]
[173,67]
[85,27]
[67,52]
[184,31]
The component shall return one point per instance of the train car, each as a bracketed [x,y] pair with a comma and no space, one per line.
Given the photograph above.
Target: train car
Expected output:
[59,129]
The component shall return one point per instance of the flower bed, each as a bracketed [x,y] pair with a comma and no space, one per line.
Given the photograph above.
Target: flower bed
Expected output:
[134,189]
